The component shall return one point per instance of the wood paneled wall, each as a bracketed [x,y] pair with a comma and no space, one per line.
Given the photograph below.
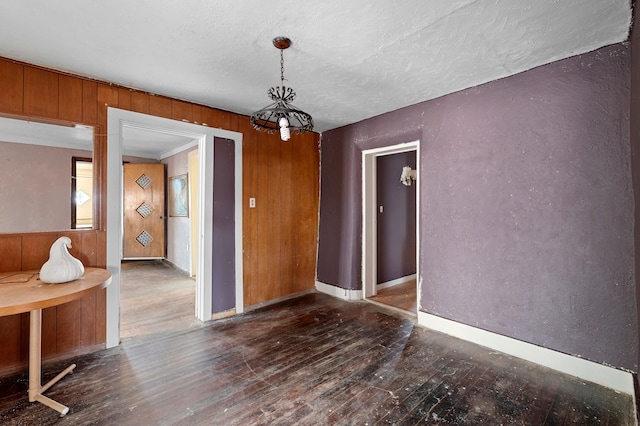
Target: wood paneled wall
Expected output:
[65,328]
[280,234]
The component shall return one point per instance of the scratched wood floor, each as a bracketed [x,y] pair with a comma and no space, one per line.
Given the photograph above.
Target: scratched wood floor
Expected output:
[313,360]
[155,298]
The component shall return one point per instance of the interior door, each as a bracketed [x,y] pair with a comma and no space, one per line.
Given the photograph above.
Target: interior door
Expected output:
[144,211]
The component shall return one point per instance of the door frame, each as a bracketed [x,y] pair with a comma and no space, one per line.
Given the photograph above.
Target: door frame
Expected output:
[117,120]
[370,216]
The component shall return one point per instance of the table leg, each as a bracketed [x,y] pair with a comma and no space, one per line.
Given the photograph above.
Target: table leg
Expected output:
[35,345]
[35,366]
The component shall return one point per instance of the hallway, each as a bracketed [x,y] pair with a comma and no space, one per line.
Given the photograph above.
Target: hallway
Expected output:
[154,298]
[402,296]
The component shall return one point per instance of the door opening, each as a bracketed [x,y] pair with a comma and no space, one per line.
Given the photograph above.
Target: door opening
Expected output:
[372,211]
[118,121]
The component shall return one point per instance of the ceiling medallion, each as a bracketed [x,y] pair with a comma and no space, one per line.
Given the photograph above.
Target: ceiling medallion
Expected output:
[282,115]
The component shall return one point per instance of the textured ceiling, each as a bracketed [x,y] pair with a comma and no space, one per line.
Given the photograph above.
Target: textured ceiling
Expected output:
[349,60]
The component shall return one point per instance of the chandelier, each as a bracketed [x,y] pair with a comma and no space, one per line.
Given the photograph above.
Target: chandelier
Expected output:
[282,114]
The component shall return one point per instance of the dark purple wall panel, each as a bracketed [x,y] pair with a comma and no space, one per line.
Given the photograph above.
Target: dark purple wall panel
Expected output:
[526,205]
[339,260]
[224,272]
[396,225]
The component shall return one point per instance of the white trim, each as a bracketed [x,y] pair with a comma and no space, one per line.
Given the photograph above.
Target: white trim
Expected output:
[369,216]
[118,119]
[619,380]
[396,282]
[238,224]
[204,274]
[179,149]
[340,293]
[369,224]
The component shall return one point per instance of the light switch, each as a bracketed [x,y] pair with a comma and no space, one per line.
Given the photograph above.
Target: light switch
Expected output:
[381,209]
[252,203]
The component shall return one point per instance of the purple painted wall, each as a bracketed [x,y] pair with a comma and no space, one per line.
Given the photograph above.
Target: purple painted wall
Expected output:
[635,142]
[526,205]
[396,226]
[224,273]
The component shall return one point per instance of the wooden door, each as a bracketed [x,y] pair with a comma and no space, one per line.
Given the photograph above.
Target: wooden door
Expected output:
[144,211]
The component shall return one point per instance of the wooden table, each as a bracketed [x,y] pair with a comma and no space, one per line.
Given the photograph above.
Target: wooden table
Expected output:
[24,292]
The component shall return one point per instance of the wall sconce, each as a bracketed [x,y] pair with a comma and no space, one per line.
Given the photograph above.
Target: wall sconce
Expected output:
[408,176]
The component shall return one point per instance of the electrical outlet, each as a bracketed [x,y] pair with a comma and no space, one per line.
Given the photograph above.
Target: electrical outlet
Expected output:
[252,203]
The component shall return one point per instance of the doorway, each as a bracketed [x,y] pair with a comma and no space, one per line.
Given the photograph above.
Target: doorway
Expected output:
[403,291]
[155,298]
[118,121]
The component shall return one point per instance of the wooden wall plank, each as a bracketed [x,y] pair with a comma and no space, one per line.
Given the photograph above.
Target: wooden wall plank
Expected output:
[124,98]
[140,102]
[89,103]
[107,95]
[307,202]
[100,176]
[271,217]
[160,106]
[262,250]
[101,316]
[197,113]
[287,213]
[35,250]
[24,339]
[49,331]
[68,326]
[11,87]
[40,93]
[89,254]
[101,249]
[70,94]
[11,332]
[250,215]
[88,319]
[11,253]
[235,121]
[182,111]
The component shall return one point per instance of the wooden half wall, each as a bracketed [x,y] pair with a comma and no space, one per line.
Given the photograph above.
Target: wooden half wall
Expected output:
[279,235]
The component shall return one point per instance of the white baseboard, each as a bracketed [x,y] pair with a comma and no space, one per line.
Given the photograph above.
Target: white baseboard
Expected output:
[340,293]
[397,281]
[619,380]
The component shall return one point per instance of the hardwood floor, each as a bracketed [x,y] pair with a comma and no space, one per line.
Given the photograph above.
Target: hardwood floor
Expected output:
[313,360]
[155,298]
[402,296]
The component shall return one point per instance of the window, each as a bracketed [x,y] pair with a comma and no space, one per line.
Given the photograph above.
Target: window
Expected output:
[81,193]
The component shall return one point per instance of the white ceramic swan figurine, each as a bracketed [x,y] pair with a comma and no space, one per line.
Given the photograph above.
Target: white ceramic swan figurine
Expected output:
[61,266]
